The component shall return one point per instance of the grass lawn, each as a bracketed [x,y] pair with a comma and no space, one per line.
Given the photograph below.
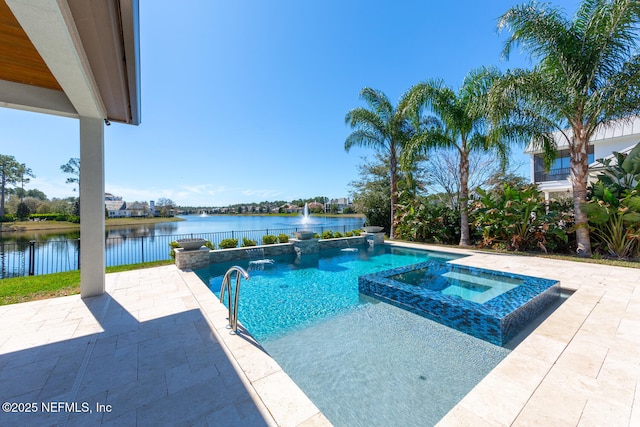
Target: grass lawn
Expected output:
[31,288]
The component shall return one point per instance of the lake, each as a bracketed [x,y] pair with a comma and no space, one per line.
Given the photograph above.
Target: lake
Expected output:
[54,252]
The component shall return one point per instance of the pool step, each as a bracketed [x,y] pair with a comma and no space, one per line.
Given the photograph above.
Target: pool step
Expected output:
[484,290]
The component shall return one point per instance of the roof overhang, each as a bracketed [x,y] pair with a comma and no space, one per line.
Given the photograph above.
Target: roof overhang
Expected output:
[71,58]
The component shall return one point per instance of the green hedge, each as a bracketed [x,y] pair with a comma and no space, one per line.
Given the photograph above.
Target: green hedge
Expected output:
[269,239]
[228,243]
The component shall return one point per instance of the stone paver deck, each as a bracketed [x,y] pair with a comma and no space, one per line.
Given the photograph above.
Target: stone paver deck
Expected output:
[154,351]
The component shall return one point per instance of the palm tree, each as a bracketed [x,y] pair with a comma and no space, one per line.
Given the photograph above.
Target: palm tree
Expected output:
[459,121]
[588,75]
[384,128]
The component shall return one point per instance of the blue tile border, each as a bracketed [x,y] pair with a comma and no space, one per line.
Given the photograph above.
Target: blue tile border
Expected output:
[497,320]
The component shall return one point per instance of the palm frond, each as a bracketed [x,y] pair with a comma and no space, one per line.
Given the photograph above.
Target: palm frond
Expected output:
[364,138]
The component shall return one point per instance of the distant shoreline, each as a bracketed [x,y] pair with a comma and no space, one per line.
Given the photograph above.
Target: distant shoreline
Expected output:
[27,226]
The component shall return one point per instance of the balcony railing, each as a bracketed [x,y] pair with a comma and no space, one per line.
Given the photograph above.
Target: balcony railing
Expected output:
[553,175]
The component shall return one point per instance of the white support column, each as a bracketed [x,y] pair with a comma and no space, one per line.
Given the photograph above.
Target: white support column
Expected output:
[92,241]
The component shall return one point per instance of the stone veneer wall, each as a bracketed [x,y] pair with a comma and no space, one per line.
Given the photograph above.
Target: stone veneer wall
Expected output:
[192,260]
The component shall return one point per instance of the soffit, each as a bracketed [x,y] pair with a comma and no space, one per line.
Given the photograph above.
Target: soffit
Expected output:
[20,62]
[72,58]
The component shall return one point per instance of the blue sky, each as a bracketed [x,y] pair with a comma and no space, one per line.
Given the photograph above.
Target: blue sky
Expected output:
[244,101]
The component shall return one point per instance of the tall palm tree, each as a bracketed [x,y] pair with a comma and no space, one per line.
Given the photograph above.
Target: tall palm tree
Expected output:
[458,121]
[587,75]
[384,128]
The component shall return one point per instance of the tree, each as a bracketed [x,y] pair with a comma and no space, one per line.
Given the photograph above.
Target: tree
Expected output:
[587,75]
[385,129]
[72,167]
[443,173]
[23,211]
[24,173]
[371,192]
[9,174]
[165,205]
[459,121]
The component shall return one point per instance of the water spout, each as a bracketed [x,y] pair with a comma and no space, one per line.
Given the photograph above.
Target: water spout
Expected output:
[305,214]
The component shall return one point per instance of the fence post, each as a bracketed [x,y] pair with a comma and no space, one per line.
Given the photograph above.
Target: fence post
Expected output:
[142,244]
[78,253]
[32,254]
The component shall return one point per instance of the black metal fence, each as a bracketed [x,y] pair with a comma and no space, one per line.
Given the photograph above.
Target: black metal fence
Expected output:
[33,257]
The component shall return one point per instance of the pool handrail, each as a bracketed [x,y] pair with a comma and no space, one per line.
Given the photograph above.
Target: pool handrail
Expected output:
[226,285]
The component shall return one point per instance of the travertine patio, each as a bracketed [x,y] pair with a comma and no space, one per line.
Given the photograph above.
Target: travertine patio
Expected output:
[154,351]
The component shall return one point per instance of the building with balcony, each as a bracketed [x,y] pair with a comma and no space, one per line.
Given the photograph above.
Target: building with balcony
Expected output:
[619,136]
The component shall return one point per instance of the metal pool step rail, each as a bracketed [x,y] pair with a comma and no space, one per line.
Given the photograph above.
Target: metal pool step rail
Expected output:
[226,285]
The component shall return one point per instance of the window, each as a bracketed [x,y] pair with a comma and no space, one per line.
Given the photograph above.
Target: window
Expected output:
[560,168]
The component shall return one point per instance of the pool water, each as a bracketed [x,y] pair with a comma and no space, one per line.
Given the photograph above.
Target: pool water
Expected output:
[361,361]
[475,286]
[294,292]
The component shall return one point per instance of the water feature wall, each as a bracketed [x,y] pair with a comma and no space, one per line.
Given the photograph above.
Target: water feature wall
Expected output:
[203,257]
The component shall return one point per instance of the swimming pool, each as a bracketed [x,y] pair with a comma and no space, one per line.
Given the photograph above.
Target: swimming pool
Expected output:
[361,361]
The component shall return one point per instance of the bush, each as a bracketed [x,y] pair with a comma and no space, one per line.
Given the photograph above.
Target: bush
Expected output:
[228,243]
[73,218]
[23,211]
[357,232]
[248,242]
[328,234]
[337,235]
[422,220]
[173,245]
[348,234]
[7,218]
[614,206]
[210,245]
[316,236]
[283,238]
[518,219]
[269,239]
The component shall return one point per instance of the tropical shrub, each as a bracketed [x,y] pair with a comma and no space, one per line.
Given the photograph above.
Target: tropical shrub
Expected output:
[337,235]
[248,242]
[209,244]
[356,232]
[517,219]
[283,238]
[613,208]
[327,234]
[269,239]
[421,221]
[228,243]
[348,234]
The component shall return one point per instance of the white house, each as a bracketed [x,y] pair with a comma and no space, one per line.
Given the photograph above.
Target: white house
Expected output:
[118,208]
[619,136]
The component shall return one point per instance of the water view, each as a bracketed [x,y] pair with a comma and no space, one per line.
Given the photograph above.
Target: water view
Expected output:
[58,251]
